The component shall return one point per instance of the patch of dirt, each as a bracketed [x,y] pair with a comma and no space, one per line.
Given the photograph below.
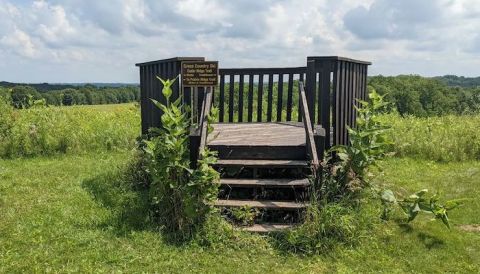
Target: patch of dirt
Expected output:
[470,228]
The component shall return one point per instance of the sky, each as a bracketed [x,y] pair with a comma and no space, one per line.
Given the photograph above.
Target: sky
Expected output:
[63,41]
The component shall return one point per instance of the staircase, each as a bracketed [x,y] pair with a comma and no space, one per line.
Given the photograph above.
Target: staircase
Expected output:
[272,180]
[264,167]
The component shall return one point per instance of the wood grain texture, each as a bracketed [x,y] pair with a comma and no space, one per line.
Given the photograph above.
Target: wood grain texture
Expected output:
[258,134]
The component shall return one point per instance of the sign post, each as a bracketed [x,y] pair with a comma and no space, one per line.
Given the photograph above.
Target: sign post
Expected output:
[199,74]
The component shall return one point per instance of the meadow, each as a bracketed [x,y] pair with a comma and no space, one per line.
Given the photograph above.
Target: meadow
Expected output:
[76,129]
[62,210]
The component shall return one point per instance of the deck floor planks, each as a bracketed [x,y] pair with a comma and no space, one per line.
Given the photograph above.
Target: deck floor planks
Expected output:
[258,134]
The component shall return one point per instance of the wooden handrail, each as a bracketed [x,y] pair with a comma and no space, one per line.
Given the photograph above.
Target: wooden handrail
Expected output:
[203,125]
[311,148]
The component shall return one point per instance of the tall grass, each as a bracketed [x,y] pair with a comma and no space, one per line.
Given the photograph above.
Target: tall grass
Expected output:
[51,130]
[445,138]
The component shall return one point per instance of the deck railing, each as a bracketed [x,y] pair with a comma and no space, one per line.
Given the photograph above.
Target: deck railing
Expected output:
[268,92]
[332,85]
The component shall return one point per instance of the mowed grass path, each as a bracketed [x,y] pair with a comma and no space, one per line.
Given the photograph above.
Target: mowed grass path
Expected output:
[49,222]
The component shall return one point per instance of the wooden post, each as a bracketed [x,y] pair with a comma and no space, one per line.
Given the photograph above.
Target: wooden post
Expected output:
[194,146]
[319,137]
[310,89]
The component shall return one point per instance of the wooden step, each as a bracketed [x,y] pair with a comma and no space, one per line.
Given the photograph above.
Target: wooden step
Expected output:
[277,152]
[262,163]
[279,205]
[265,182]
[266,228]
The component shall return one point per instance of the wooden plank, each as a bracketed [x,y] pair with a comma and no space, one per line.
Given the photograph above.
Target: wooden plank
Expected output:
[231,97]
[261,204]
[151,107]
[310,89]
[207,103]
[221,99]
[337,99]
[269,151]
[299,108]
[311,148]
[344,103]
[156,94]
[352,94]
[325,103]
[364,83]
[260,98]
[258,134]
[349,95]
[270,97]
[187,96]
[289,96]
[265,182]
[173,75]
[262,163]
[365,76]
[250,98]
[143,100]
[280,98]
[240,99]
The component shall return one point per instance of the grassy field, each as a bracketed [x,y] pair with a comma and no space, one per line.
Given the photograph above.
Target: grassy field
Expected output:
[75,129]
[444,138]
[53,219]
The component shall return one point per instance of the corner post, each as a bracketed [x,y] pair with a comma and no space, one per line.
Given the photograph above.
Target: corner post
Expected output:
[310,88]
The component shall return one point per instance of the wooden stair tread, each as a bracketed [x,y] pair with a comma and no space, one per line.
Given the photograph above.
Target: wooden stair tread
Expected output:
[262,163]
[266,228]
[266,182]
[260,204]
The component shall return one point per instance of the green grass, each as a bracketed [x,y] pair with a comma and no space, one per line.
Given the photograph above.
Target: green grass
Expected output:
[55,219]
[76,129]
[445,138]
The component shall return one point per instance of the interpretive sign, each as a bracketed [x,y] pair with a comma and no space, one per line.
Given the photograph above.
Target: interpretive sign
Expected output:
[200,74]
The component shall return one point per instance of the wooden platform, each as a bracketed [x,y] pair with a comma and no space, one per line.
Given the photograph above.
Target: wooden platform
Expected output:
[258,134]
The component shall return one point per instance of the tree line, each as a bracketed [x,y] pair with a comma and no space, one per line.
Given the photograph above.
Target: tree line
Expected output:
[421,96]
[23,96]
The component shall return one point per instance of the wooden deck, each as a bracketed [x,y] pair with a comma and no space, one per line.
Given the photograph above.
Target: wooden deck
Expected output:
[258,134]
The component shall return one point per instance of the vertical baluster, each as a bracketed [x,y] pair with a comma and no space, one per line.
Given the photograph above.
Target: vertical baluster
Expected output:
[231,97]
[250,97]
[280,98]
[240,99]
[289,96]
[270,97]
[221,99]
[260,98]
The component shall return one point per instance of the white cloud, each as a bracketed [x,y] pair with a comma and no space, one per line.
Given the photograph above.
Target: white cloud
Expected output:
[71,40]
[20,43]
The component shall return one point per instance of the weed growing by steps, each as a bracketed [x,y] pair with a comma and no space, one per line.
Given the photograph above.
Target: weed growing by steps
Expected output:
[341,209]
[181,198]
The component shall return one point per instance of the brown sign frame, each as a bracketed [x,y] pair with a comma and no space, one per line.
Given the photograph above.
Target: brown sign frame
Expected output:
[197,77]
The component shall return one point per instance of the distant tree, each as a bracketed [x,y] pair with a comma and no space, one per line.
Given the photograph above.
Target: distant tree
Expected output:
[68,98]
[22,96]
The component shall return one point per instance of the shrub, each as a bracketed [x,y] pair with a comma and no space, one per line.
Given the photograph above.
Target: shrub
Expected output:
[337,214]
[182,199]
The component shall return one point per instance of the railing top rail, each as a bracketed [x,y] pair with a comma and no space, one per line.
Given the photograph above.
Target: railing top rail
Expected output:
[337,58]
[170,60]
[294,70]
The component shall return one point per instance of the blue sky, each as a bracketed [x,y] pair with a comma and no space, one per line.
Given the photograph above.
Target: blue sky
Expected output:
[100,41]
